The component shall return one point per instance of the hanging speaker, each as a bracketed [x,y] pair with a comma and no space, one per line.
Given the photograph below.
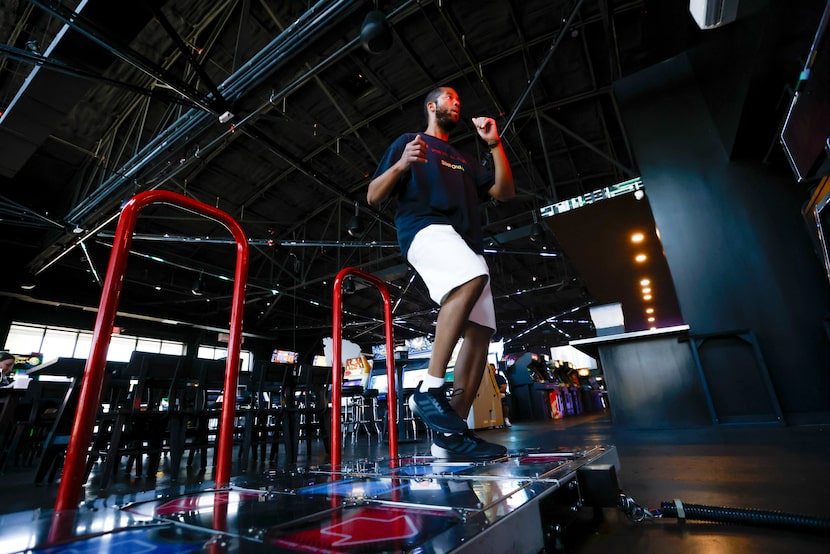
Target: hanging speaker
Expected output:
[375,34]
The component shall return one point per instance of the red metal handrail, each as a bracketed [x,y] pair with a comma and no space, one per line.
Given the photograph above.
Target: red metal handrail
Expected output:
[75,465]
[336,364]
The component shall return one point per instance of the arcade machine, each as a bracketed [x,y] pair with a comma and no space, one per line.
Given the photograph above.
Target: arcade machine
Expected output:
[486,412]
[528,378]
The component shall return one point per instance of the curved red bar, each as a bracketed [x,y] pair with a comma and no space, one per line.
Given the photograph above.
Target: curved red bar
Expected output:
[90,394]
[336,363]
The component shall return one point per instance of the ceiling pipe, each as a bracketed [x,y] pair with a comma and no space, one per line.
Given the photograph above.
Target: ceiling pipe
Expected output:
[313,23]
[79,23]
[9,207]
[58,37]
[541,67]
[549,319]
[288,243]
[94,271]
[548,168]
[628,171]
[130,315]
[266,62]
[188,54]
[51,64]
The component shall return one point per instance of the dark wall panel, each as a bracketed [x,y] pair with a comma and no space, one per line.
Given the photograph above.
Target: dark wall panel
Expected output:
[652,384]
[733,235]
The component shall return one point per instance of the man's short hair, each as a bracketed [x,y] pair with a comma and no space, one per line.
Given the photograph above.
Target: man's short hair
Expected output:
[432,96]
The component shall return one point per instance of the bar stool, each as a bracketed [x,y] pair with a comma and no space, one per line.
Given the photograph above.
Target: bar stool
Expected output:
[269,421]
[410,419]
[367,413]
[350,410]
[28,436]
[311,407]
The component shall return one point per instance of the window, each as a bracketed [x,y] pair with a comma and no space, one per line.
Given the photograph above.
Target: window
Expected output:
[83,346]
[215,353]
[121,348]
[57,342]
[24,339]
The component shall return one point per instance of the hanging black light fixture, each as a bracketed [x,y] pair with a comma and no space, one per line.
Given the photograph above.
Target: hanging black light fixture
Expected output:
[199,286]
[28,283]
[348,285]
[375,33]
[537,230]
[356,224]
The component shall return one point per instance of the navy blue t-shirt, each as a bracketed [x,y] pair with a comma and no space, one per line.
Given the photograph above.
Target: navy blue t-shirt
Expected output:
[446,190]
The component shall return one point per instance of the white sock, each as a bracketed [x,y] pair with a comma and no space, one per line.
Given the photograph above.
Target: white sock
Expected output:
[431,382]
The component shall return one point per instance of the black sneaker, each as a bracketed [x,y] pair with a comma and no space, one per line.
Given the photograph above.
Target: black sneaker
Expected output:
[465,446]
[433,407]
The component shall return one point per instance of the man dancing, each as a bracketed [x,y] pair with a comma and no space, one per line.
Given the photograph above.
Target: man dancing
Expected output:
[439,190]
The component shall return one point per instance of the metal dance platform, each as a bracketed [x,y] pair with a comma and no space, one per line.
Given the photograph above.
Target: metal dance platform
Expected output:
[415,504]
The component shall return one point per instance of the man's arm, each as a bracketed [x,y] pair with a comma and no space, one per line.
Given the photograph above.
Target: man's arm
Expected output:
[415,151]
[502,189]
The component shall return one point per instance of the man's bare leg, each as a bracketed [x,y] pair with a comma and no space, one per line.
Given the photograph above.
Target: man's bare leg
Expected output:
[469,367]
[452,320]
[429,401]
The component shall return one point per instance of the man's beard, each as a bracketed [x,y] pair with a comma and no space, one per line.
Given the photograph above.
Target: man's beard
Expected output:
[445,120]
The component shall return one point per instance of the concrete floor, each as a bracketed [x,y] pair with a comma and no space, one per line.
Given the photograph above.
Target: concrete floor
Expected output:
[770,468]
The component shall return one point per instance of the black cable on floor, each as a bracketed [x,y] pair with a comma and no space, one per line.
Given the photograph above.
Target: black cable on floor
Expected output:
[761,518]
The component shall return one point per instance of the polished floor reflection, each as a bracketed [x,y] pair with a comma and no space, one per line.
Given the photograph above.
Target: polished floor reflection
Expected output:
[770,468]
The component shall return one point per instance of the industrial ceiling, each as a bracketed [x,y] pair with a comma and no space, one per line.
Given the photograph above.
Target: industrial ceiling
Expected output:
[277,113]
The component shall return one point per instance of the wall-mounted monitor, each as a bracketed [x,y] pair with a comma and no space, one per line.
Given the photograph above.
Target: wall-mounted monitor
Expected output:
[283,357]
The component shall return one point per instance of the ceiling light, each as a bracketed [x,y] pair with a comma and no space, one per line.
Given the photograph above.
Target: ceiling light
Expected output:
[28,284]
[646,290]
[537,232]
[646,297]
[375,33]
[645,282]
[649,310]
[637,237]
[199,286]
[650,320]
[640,258]
[356,224]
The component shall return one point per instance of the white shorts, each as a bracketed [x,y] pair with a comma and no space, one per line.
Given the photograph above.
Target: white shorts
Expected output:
[445,262]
